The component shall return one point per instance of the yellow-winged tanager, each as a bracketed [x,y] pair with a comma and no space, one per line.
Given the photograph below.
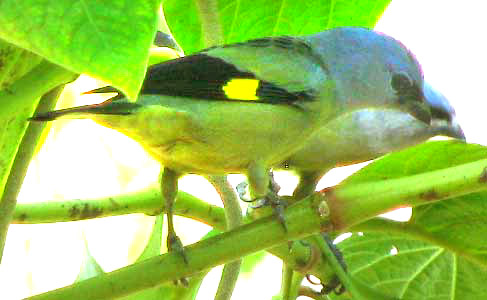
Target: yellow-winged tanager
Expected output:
[366,134]
[245,107]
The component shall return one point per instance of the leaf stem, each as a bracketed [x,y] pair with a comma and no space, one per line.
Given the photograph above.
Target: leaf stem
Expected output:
[233,216]
[290,283]
[338,268]
[210,21]
[21,163]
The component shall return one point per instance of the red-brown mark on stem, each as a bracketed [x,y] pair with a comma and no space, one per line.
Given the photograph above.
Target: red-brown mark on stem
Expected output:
[86,211]
[430,195]
[335,207]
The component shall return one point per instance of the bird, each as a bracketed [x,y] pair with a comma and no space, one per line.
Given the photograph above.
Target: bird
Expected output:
[247,106]
[366,134]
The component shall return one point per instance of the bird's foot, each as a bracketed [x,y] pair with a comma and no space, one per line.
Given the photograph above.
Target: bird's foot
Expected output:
[278,206]
[271,199]
[174,244]
[242,191]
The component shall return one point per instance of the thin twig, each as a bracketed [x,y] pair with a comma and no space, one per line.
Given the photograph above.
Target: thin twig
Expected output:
[233,216]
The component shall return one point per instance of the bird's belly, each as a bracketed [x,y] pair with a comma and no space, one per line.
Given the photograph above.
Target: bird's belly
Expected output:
[192,156]
[219,156]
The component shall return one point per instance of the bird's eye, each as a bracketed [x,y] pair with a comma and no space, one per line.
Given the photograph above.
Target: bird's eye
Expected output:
[400,82]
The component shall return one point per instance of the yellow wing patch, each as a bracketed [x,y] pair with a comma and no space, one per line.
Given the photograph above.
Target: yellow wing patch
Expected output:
[242,89]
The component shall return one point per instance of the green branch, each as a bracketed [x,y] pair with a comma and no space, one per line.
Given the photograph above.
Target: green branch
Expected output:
[146,201]
[464,179]
[306,217]
[303,219]
[290,283]
[210,21]
[353,204]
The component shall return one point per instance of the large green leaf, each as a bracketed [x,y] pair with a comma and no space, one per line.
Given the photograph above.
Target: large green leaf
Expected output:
[426,157]
[418,270]
[246,19]
[107,39]
[441,250]
[89,267]
[15,63]
[461,223]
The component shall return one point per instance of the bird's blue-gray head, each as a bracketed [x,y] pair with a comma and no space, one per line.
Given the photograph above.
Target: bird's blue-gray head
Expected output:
[371,69]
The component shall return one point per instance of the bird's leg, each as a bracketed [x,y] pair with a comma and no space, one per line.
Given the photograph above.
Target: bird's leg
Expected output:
[169,189]
[307,184]
[259,180]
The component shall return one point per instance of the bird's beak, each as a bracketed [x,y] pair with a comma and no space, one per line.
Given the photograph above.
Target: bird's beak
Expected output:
[441,126]
[455,131]
[451,129]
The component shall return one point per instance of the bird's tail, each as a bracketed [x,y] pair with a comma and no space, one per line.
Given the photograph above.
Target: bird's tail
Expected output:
[108,107]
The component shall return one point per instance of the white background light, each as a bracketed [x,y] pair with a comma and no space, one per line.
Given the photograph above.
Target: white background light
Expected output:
[448,38]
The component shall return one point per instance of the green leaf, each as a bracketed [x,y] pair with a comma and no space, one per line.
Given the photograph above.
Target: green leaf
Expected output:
[15,62]
[107,39]
[419,270]
[154,244]
[460,222]
[18,101]
[89,267]
[247,19]
[451,232]
[429,156]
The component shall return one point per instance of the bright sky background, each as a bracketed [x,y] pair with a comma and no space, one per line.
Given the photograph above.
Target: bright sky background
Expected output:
[448,38]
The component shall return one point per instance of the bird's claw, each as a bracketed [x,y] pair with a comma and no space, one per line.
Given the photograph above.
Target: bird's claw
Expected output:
[242,190]
[174,244]
[271,199]
[278,206]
